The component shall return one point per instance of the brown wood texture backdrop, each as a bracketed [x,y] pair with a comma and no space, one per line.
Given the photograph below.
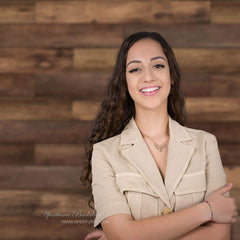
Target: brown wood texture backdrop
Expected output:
[55,59]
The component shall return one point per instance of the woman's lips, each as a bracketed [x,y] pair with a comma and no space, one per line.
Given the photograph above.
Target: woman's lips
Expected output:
[149,91]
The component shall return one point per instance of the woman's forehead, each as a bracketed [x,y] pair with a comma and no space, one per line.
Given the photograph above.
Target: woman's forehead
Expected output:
[145,48]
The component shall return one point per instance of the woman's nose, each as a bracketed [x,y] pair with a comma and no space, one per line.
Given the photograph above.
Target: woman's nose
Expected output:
[148,76]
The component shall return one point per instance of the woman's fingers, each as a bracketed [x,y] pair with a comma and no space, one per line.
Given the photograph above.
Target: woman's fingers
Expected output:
[95,234]
[225,189]
[235,214]
[103,237]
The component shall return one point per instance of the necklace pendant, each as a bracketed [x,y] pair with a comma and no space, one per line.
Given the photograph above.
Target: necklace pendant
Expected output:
[160,148]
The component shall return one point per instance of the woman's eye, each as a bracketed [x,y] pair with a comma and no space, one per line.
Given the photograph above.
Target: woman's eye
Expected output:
[134,70]
[159,66]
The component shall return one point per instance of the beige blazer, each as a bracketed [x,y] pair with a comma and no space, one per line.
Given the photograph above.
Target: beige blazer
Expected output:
[126,179]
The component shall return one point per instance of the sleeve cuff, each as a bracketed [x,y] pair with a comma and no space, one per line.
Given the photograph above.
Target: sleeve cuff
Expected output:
[109,210]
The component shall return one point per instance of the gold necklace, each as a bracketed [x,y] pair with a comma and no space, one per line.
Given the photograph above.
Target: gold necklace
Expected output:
[157,146]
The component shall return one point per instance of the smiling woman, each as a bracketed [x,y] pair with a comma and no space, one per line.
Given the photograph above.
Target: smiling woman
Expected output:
[153,178]
[148,74]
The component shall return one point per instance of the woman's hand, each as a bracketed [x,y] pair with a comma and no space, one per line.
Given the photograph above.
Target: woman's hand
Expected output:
[96,235]
[224,208]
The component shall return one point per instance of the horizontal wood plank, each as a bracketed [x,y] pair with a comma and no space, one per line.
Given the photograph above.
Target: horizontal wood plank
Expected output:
[224,131]
[225,12]
[225,85]
[233,175]
[94,59]
[44,203]
[59,154]
[22,60]
[208,60]
[44,132]
[17,12]
[193,35]
[104,59]
[122,11]
[16,154]
[41,178]
[85,110]
[19,85]
[213,109]
[38,228]
[78,85]
[63,177]
[59,35]
[230,154]
[35,109]
[73,84]
[196,85]
[198,109]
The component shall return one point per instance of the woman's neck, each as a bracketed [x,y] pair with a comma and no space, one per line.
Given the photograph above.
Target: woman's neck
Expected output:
[153,124]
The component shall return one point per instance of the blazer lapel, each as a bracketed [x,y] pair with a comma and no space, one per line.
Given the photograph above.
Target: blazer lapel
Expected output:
[179,155]
[139,155]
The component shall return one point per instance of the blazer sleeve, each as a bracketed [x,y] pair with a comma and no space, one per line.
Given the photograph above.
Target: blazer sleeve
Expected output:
[108,200]
[215,175]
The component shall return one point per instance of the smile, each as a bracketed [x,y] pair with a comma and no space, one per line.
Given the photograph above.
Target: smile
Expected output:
[149,91]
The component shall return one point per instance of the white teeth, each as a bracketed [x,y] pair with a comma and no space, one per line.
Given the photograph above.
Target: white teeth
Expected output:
[149,89]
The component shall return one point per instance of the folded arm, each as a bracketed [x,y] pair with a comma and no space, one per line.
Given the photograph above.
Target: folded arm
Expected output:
[216,231]
[184,224]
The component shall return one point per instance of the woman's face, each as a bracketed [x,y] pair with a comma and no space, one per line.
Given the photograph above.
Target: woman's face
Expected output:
[148,75]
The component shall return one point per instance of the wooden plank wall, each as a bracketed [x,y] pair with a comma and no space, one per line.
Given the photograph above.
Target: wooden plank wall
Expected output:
[55,59]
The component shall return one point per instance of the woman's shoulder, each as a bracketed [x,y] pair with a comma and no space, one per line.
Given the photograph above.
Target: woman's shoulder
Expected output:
[200,134]
[112,141]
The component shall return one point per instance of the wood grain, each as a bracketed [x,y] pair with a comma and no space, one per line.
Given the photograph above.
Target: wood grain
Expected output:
[193,35]
[35,109]
[77,85]
[198,109]
[235,231]
[208,60]
[233,176]
[38,228]
[73,154]
[85,110]
[213,109]
[196,85]
[225,12]
[19,85]
[104,59]
[17,12]
[22,60]
[59,154]
[122,12]
[43,132]
[225,85]
[94,59]
[226,132]
[60,35]
[43,203]
[16,154]
[40,178]
[230,154]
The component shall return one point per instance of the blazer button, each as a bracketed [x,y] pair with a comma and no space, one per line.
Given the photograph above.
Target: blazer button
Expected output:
[166,211]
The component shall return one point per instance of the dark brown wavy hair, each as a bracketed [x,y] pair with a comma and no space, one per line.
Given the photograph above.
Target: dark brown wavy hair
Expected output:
[118,108]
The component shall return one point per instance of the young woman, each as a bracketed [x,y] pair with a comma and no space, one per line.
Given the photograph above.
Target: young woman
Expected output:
[153,178]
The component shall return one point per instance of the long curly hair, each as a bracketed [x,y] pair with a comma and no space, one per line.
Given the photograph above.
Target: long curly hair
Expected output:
[118,108]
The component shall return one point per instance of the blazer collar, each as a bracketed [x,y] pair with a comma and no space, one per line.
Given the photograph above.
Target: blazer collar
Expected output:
[131,133]
[179,155]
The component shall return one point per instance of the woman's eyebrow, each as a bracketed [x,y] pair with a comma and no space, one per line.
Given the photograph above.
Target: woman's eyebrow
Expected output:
[154,58]
[134,61]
